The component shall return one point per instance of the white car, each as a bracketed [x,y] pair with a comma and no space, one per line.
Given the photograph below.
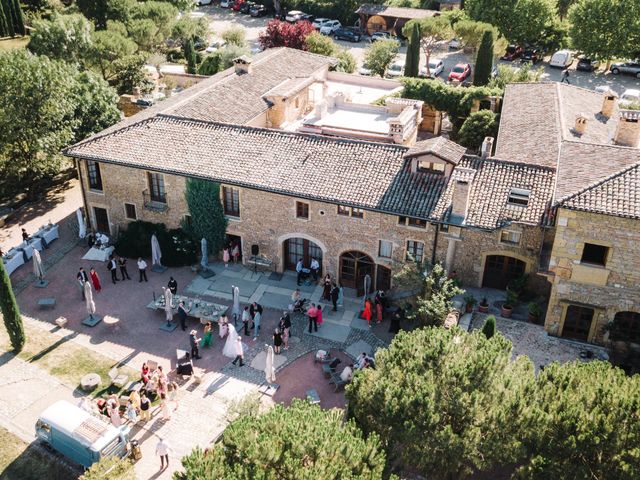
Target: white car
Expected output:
[395,70]
[215,45]
[200,3]
[226,3]
[455,44]
[318,23]
[436,67]
[365,70]
[329,27]
[296,16]
[602,89]
[630,95]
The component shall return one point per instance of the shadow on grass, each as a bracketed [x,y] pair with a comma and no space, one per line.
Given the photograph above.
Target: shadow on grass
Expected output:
[37,462]
[42,353]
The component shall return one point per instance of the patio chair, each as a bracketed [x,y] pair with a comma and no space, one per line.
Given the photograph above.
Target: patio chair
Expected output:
[118,379]
[327,358]
[337,381]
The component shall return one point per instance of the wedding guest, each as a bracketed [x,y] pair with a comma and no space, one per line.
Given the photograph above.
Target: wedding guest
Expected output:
[131,412]
[95,279]
[172,394]
[312,313]
[319,315]
[239,352]
[326,292]
[113,268]
[223,326]
[366,314]
[25,235]
[208,335]
[315,268]
[142,269]
[277,341]
[257,319]
[145,408]
[335,293]
[122,263]
[172,285]
[378,304]
[162,450]
[193,341]
[226,256]
[246,318]
[183,313]
[235,253]
[144,374]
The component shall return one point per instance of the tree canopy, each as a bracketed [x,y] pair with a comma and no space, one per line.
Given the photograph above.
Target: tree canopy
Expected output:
[433,30]
[63,37]
[379,56]
[285,34]
[435,302]
[300,442]
[324,45]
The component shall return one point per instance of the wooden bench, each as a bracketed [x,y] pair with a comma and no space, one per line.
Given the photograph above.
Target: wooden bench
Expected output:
[47,302]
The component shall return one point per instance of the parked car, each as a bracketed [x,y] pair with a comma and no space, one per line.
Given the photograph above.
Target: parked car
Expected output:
[365,70]
[215,45]
[380,36]
[532,54]
[226,3]
[295,16]
[246,7]
[587,65]
[258,11]
[603,89]
[455,44]
[200,3]
[345,33]
[630,95]
[512,52]
[329,27]
[199,43]
[561,59]
[436,67]
[319,22]
[79,436]
[395,70]
[237,6]
[632,68]
[460,72]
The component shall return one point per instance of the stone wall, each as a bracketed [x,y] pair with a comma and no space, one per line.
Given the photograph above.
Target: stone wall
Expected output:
[609,289]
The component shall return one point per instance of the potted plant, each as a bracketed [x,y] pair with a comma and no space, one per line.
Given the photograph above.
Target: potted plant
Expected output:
[510,302]
[534,312]
[483,306]
[469,302]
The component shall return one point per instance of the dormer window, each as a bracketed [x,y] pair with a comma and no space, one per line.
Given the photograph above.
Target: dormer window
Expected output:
[519,197]
[431,167]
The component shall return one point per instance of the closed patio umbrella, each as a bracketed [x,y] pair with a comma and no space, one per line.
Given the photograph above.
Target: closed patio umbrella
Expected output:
[236,304]
[168,309]
[88,295]
[82,227]
[367,287]
[38,268]
[204,261]
[269,368]
[156,254]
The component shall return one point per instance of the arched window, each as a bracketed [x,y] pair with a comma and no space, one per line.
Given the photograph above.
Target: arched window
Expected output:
[627,326]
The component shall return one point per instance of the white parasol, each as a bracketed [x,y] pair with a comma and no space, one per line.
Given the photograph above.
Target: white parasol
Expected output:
[88,295]
[269,368]
[204,262]
[38,268]
[236,304]
[168,309]
[156,254]
[367,287]
[82,227]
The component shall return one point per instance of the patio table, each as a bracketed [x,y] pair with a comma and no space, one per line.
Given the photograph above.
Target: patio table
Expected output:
[203,310]
[48,233]
[12,260]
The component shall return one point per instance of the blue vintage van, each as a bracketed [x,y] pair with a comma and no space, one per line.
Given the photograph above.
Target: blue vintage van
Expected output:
[80,436]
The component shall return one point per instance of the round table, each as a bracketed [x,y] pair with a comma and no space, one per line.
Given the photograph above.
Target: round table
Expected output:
[111,321]
[90,382]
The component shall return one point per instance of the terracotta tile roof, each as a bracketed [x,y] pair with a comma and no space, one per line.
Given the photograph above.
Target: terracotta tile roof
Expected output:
[491,183]
[617,195]
[398,12]
[362,174]
[439,146]
[289,87]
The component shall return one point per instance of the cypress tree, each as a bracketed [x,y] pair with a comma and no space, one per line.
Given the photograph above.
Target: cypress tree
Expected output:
[190,56]
[489,328]
[8,15]
[19,25]
[10,311]
[484,59]
[4,29]
[412,64]
[207,216]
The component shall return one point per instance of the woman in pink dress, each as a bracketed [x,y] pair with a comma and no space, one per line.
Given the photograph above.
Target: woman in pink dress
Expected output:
[319,315]
[95,279]
[225,256]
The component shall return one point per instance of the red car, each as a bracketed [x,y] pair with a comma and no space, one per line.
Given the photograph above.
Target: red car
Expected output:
[460,72]
[513,52]
[237,5]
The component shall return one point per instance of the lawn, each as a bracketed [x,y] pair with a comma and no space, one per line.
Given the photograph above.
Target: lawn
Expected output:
[13,43]
[62,357]
[23,461]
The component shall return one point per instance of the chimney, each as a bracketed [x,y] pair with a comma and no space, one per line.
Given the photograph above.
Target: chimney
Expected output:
[242,65]
[581,124]
[487,147]
[628,129]
[460,201]
[609,103]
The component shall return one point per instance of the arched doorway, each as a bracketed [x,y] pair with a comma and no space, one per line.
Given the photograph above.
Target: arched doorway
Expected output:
[300,248]
[627,326]
[354,266]
[500,270]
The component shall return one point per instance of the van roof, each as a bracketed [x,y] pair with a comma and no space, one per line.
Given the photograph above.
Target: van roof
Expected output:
[79,424]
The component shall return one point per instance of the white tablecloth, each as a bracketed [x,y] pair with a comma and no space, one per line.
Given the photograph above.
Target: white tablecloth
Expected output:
[30,245]
[98,254]
[49,233]
[10,264]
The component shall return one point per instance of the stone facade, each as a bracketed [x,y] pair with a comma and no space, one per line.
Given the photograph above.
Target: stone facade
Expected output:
[607,289]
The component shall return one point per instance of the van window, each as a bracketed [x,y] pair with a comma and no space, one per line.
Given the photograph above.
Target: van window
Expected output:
[111,448]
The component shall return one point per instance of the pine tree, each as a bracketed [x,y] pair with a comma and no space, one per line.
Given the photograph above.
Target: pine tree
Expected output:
[489,328]
[411,67]
[190,55]
[10,311]
[484,59]
[207,216]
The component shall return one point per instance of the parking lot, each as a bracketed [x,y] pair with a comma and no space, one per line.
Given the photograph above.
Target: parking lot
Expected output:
[221,19]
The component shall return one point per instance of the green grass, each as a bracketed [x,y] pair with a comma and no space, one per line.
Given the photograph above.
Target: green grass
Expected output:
[21,461]
[13,43]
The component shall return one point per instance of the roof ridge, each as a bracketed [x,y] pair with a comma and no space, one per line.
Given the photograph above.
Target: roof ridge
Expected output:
[100,135]
[513,162]
[598,183]
[607,145]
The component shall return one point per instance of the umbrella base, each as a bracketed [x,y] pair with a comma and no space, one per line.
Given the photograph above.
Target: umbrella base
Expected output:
[41,283]
[168,326]
[269,389]
[158,268]
[92,320]
[206,273]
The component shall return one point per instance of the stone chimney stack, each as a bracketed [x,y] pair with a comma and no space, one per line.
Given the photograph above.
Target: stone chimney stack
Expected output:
[487,147]
[460,200]
[581,124]
[609,103]
[242,65]
[628,129]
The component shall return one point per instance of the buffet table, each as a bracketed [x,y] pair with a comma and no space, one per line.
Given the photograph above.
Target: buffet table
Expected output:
[48,233]
[12,260]
[28,246]
[198,308]
[99,254]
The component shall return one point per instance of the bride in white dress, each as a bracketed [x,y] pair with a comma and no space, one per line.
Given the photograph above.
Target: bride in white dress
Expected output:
[229,349]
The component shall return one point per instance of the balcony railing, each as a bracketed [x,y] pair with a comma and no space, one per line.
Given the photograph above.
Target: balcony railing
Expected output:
[155,203]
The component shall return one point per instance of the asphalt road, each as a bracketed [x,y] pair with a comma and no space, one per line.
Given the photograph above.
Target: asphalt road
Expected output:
[220,19]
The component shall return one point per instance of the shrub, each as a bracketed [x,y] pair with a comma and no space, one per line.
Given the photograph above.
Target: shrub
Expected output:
[110,468]
[234,36]
[489,328]
[476,127]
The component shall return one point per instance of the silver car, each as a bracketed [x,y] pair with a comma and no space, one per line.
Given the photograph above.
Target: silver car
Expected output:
[632,68]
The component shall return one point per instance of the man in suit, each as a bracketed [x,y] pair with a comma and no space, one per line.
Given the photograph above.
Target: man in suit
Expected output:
[183,313]
[82,279]
[253,309]
[113,268]
[193,341]
[122,263]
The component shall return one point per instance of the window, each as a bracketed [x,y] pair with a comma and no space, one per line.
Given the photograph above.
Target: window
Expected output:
[402,220]
[95,178]
[594,254]
[415,250]
[156,187]
[510,236]
[350,211]
[385,248]
[302,210]
[231,201]
[431,167]
[444,228]
[627,327]
[577,322]
[416,222]
[130,211]
[519,196]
